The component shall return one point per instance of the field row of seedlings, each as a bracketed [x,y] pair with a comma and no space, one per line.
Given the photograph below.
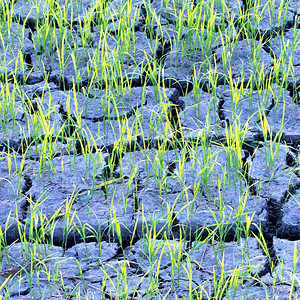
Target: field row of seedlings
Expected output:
[149,149]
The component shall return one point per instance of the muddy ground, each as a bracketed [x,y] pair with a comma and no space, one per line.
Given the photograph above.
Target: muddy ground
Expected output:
[31,182]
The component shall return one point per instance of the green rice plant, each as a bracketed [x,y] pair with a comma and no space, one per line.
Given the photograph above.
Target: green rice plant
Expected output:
[293,275]
[271,142]
[4,110]
[222,223]
[4,283]
[263,244]
[69,216]
[114,226]
[3,242]
[207,164]
[240,212]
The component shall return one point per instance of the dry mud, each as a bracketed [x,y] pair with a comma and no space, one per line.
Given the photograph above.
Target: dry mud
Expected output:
[197,198]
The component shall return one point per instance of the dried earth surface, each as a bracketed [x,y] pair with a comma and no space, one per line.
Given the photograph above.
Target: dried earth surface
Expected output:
[101,206]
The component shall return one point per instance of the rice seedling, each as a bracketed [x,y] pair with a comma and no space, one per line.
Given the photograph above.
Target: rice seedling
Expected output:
[98,94]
